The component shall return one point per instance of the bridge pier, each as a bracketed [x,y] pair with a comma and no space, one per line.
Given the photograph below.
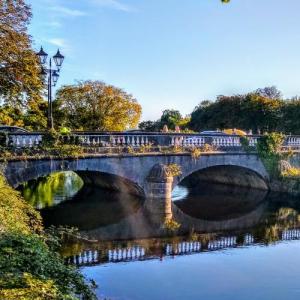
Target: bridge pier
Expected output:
[158,191]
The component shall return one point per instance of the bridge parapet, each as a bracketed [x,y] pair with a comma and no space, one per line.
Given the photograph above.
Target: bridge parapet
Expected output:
[137,140]
[142,139]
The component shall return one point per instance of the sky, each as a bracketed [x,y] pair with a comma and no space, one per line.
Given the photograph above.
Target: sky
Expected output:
[172,54]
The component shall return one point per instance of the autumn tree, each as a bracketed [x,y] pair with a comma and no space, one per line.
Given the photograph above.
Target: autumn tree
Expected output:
[94,105]
[20,81]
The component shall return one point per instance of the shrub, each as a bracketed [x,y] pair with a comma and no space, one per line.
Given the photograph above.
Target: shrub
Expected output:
[174,170]
[269,150]
[65,131]
[208,148]
[50,139]
[171,225]
[270,144]
[30,267]
[145,148]
[15,214]
[129,150]
[291,172]
[67,151]
[28,264]
[245,143]
[195,152]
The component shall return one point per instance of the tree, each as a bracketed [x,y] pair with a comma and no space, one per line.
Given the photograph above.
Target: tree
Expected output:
[269,92]
[20,79]
[250,111]
[225,112]
[152,126]
[291,116]
[94,105]
[171,118]
[262,113]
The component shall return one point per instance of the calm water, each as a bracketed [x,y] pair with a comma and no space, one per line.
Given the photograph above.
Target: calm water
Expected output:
[232,243]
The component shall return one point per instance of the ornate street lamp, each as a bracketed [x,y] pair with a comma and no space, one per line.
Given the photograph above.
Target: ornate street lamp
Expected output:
[42,56]
[51,76]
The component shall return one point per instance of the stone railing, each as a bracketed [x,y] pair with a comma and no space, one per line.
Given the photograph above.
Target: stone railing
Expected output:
[137,252]
[136,140]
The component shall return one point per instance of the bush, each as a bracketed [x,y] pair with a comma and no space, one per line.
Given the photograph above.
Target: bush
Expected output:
[50,139]
[269,150]
[171,225]
[208,148]
[15,214]
[291,172]
[245,143]
[28,264]
[30,267]
[270,144]
[174,170]
[68,151]
[65,131]
[195,153]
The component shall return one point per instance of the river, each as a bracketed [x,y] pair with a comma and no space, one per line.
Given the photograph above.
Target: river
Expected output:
[221,242]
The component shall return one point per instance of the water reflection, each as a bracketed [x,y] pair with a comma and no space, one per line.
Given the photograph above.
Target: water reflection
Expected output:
[91,208]
[118,227]
[51,190]
[205,212]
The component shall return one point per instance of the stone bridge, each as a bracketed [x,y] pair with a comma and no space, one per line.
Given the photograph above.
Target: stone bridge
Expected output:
[147,174]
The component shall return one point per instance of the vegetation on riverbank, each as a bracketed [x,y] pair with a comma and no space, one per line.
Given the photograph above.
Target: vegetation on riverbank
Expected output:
[283,176]
[30,266]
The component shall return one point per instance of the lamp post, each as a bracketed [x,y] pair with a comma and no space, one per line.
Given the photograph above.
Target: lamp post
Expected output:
[50,75]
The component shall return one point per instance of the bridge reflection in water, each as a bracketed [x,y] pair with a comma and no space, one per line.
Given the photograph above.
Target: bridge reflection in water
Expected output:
[163,249]
[128,228]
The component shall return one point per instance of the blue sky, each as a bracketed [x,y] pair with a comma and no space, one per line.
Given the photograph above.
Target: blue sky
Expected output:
[173,55]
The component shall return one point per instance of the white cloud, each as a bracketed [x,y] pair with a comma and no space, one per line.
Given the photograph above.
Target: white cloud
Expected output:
[58,42]
[113,4]
[68,11]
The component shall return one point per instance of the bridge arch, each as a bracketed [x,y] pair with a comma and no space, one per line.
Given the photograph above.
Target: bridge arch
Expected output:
[240,170]
[133,168]
[228,175]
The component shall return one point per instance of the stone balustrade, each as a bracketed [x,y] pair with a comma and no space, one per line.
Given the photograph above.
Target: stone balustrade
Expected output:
[137,140]
[137,252]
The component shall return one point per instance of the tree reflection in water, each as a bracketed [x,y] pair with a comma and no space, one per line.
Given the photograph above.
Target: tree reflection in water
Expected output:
[51,190]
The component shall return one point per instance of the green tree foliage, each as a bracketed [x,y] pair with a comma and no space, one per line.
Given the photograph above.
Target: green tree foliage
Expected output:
[28,257]
[41,192]
[153,126]
[30,267]
[258,111]
[171,118]
[290,122]
[94,105]
[270,144]
[15,214]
